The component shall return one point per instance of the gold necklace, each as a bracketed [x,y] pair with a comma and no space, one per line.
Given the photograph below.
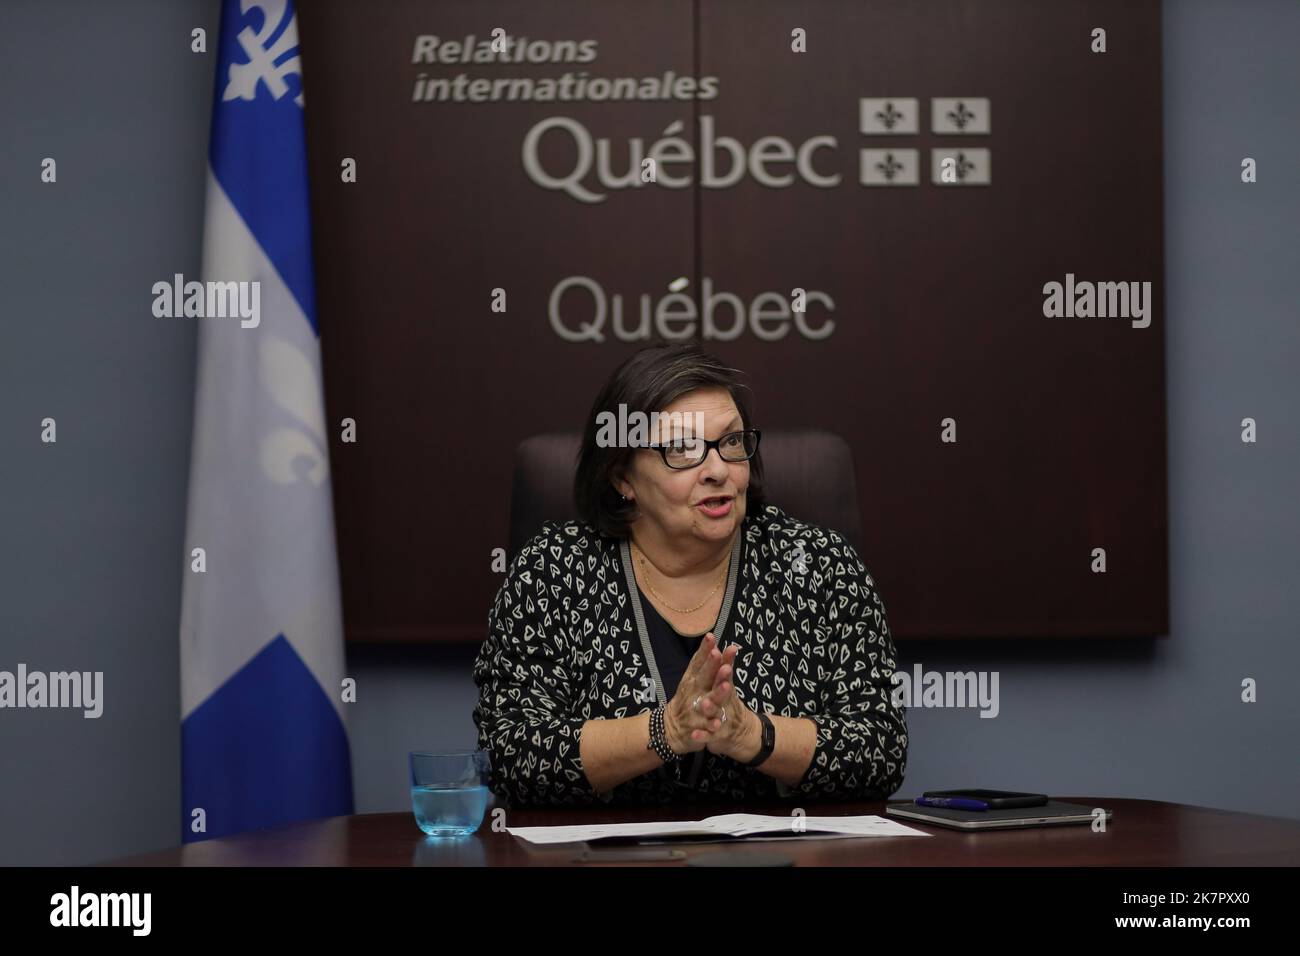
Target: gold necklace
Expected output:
[645,568]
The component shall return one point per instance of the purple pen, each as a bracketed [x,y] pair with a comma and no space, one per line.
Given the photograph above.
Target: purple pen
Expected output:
[952,803]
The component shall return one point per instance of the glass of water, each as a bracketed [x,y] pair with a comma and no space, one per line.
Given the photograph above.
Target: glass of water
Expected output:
[449,791]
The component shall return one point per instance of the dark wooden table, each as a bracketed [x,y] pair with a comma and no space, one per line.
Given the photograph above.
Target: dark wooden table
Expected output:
[1141,833]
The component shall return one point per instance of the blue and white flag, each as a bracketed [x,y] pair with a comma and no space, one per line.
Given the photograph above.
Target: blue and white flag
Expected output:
[263,735]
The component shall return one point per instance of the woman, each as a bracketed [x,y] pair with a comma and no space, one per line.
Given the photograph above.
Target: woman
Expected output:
[685,640]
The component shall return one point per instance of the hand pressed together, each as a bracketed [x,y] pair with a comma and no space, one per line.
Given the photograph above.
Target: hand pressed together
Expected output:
[694,717]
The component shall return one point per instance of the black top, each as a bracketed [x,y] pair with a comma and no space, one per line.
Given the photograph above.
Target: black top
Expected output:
[564,648]
[673,651]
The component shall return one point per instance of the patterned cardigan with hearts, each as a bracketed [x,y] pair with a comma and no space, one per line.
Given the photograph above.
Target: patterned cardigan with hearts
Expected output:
[563,648]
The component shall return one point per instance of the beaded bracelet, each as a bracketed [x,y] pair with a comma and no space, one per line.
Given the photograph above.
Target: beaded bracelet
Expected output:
[658,739]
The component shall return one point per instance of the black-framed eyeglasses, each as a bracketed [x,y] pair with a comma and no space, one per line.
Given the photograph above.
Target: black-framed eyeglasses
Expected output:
[685,453]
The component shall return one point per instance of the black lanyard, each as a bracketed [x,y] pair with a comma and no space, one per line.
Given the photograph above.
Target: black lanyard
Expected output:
[733,575]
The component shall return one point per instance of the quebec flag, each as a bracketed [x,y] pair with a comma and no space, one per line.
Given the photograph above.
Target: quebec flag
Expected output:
[262,728]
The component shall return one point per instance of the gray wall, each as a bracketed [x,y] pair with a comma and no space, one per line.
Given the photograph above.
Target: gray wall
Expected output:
[91,546]
[91,528]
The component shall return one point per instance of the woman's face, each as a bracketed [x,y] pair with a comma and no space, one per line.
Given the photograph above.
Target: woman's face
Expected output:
[671,499]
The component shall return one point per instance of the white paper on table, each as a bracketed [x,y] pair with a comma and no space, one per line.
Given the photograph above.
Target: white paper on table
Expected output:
[722,825]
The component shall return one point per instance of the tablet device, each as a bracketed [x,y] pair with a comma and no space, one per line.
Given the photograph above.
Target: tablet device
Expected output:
[1052,813]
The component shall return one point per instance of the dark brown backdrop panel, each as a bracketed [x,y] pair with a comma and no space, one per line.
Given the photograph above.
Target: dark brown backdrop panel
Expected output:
[938,295]
[441,387]
[937,290]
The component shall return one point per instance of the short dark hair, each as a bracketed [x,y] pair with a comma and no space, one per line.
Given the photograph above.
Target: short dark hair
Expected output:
[648,381]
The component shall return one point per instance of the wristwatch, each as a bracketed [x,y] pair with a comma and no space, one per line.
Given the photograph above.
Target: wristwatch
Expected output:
[769,740]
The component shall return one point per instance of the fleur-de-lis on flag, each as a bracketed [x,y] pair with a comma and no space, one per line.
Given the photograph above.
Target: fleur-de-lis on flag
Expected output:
[288,454]
[268,62]
[889,116]
[960,116]
[890,167]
